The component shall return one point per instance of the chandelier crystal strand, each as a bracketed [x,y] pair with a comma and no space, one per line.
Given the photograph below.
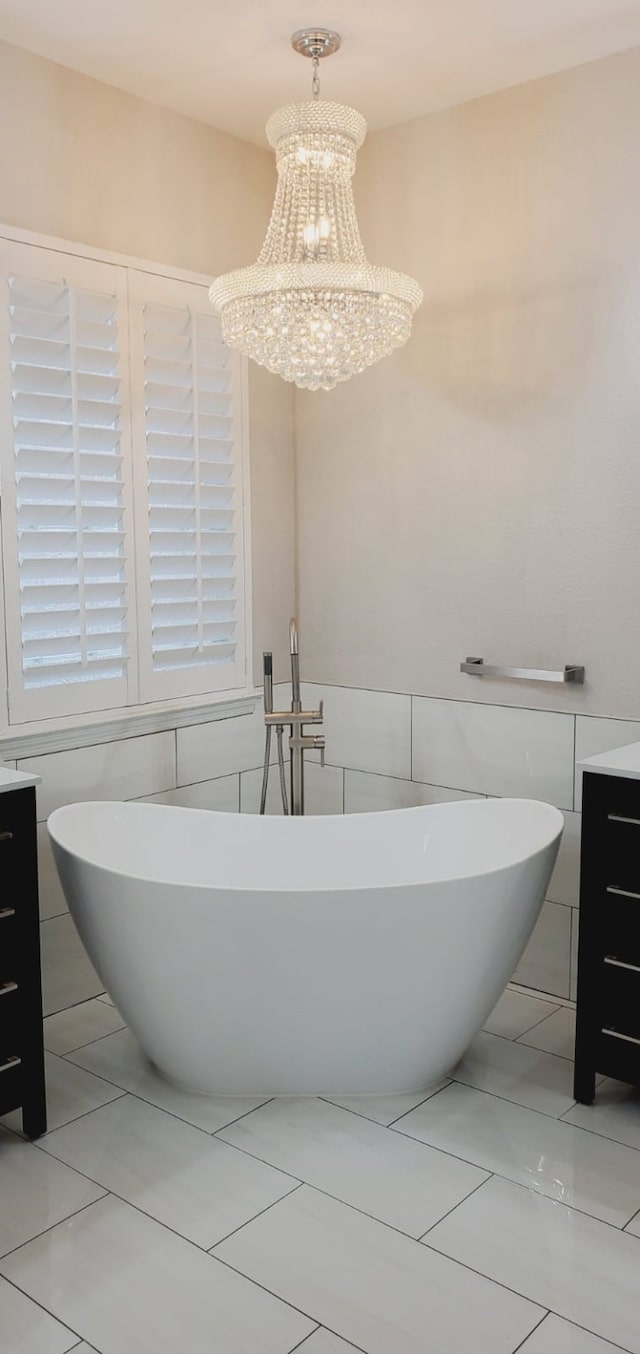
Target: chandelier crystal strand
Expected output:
[313,309]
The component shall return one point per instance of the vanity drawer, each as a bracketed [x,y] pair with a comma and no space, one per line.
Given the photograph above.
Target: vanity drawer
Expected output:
[11,1081]
[620,925]
[620,1000]
[10,1004]
[8,935]
[622,850]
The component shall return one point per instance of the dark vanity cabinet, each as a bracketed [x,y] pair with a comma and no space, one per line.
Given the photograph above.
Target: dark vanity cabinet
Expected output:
[608,1014]
[22,1083]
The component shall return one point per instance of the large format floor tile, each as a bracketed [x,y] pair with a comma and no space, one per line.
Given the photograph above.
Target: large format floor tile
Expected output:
[129,1286]
[192,1182]
[515,1013]
[382,1291]
[555,1336]
[323,1342]
[556,1034]
[80,1025]
[385,1109]
[538,1080]
[119,1059]
[35,1192]
[71,1091]
[370,1167]
[26,1329]
[615,1113]
[579,1267]
[590,1173]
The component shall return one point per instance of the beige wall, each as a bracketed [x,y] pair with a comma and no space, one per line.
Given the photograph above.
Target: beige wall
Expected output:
[479,493]
[85,162]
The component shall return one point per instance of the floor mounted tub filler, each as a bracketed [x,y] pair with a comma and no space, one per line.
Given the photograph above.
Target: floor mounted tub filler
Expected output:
[285,956]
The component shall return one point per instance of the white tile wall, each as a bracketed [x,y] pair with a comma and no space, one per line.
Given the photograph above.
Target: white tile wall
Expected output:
[565,881]
[222,794]
[365,730]
[365,792]
[600,735]
[52,899]
[494,749]
[323,788]
[545,964]
[207,751]
[125,769]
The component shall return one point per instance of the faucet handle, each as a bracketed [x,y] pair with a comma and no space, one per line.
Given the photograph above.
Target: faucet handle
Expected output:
[321,711]
[319,745]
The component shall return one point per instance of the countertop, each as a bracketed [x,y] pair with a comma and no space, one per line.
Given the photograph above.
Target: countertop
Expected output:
[20,780]
[621,762]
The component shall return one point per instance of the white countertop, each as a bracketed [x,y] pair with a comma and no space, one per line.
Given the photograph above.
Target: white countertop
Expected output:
[16,780]
[621,762]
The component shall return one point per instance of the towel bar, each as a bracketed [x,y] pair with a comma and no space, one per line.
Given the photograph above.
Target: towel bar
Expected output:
[477,667]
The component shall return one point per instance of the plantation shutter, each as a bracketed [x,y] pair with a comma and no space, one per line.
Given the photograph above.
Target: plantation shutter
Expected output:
[66,518]
[188,430]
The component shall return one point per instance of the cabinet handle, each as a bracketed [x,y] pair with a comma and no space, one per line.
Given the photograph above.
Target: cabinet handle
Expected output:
[6,836]
[615,1034]
[12,1061]
[7,912]
[620,963]
[8,987]
[620,818]
[623,893]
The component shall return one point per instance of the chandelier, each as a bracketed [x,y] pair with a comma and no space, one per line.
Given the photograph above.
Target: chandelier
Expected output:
[313,309]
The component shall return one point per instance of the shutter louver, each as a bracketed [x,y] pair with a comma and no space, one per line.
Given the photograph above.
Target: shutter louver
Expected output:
[66,498]
[194,505]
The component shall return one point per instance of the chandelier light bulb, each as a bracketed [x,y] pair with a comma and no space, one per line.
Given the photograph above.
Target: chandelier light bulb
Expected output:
[313,309]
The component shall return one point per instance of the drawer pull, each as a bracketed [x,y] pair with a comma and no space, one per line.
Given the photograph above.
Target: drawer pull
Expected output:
[615,1034]
[623,893]
[620,818]
[6,836]
[8,987]
[621,963]
[9,1062]
[7,912]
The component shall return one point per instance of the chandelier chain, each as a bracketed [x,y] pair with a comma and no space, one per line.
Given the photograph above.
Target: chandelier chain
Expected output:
[315,78]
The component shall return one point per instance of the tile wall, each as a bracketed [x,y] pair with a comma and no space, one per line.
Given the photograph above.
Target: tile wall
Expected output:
[383,751]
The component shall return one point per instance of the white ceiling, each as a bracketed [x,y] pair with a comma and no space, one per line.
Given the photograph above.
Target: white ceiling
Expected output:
[228,62]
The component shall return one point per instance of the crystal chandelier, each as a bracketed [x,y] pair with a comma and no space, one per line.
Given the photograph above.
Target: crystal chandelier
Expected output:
[313,309]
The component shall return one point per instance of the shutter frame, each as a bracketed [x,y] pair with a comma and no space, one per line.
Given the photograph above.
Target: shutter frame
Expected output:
[189,433]
[44,463]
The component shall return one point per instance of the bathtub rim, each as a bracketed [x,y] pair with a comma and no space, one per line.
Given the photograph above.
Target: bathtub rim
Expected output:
[302,887]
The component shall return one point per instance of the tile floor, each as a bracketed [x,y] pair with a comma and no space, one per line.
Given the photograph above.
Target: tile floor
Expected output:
[488,1216]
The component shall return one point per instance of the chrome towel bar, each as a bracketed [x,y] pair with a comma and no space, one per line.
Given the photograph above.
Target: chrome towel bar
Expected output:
[477,667]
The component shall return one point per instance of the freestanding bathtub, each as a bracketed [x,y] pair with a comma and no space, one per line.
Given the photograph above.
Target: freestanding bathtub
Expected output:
[287,956]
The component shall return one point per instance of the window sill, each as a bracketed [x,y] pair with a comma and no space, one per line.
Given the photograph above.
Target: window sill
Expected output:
[64,735]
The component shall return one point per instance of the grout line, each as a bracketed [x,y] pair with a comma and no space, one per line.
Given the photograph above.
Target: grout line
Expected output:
[298,1185]
[575,742]
[53,1225]
[551,1311]
[304,1340]
[630,1220]
[531,1332]
[489,1175]
[432,1096]
[411,738]
[537,992]
[37,1303]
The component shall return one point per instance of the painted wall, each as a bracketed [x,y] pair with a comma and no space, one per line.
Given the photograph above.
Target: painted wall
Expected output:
[83,161]
[478,492]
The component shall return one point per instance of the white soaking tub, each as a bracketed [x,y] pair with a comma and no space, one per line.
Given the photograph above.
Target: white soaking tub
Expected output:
[283,956]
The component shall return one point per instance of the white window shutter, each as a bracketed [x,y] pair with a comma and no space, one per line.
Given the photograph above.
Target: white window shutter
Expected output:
[66,511]
[189,487]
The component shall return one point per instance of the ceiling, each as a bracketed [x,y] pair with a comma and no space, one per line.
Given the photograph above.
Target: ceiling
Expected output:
[228,62]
